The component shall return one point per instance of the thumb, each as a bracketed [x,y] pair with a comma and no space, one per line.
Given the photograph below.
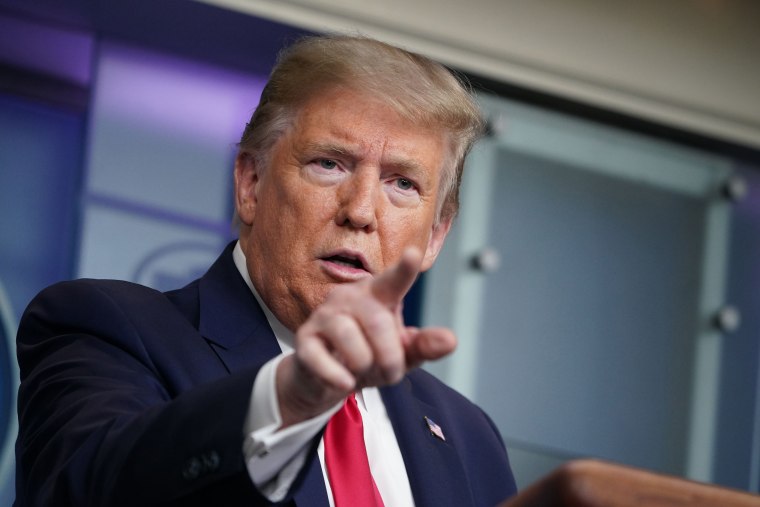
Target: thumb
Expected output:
[428,344]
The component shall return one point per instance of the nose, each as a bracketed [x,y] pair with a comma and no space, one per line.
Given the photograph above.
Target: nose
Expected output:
[359,198]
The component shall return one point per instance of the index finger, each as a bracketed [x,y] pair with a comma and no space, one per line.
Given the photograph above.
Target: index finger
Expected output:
[391,285]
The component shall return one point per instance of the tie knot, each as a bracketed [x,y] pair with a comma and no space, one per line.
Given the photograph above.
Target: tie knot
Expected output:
[348,414]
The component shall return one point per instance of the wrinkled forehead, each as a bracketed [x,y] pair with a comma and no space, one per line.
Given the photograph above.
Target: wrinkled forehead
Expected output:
[409,107]
[394,112]
[342,118]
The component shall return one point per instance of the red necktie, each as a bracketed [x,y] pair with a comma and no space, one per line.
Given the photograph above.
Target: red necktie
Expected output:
[346,458]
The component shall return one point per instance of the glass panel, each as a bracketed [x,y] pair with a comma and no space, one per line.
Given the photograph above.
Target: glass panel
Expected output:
[40,158]
[594,337]
[737,454]
[590,320]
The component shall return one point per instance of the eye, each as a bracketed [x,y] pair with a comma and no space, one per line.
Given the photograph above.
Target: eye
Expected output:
[404,184]
[326,163]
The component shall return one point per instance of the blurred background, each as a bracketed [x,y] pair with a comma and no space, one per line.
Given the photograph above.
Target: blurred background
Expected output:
[603,276]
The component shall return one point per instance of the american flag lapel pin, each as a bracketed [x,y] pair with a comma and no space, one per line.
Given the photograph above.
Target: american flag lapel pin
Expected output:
[435,430]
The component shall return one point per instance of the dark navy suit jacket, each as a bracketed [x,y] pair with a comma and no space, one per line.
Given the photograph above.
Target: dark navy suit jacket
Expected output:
[134,397]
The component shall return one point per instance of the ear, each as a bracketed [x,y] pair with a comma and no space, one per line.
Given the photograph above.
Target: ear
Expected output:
[246,179]
[435,243]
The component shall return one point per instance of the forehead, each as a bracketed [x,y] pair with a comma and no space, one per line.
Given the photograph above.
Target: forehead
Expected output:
[357,124]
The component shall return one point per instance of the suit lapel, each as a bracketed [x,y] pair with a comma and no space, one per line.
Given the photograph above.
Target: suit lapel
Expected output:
[231,319]
[237,329]
[435,471]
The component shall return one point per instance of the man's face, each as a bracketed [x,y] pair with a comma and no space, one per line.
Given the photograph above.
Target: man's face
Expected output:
[347,190]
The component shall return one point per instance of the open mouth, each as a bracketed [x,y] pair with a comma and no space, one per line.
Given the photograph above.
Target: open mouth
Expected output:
[350,261]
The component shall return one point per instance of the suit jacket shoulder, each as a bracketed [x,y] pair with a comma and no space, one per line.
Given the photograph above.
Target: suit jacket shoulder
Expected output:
[120,387]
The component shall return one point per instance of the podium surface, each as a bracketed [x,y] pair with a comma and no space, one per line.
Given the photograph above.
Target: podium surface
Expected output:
[591,483]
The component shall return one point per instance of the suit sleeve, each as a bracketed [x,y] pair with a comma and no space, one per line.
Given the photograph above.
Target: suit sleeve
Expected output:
[106,418]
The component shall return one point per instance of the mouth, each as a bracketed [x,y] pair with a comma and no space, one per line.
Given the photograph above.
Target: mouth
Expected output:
[348,262]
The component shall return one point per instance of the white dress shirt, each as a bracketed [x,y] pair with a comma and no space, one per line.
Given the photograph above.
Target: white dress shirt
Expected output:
[274,457]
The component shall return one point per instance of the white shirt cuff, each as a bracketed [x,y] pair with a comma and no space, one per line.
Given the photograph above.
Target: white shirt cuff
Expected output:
[274,457]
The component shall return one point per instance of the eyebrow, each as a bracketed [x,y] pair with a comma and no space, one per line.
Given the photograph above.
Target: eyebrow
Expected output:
[330,148]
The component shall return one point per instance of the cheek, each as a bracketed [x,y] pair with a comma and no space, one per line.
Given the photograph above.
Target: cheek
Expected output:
[294,221]
[412,231]
[301,202]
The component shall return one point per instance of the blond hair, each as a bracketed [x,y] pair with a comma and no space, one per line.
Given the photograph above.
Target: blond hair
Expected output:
[417,88]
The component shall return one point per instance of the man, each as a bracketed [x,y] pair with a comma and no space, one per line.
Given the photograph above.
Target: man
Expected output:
[346,185]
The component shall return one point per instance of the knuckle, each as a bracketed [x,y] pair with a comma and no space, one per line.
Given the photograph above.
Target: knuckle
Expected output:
[377,322]
[306,351]
[361,363]
[390,360]
[343,329]
[322,315]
